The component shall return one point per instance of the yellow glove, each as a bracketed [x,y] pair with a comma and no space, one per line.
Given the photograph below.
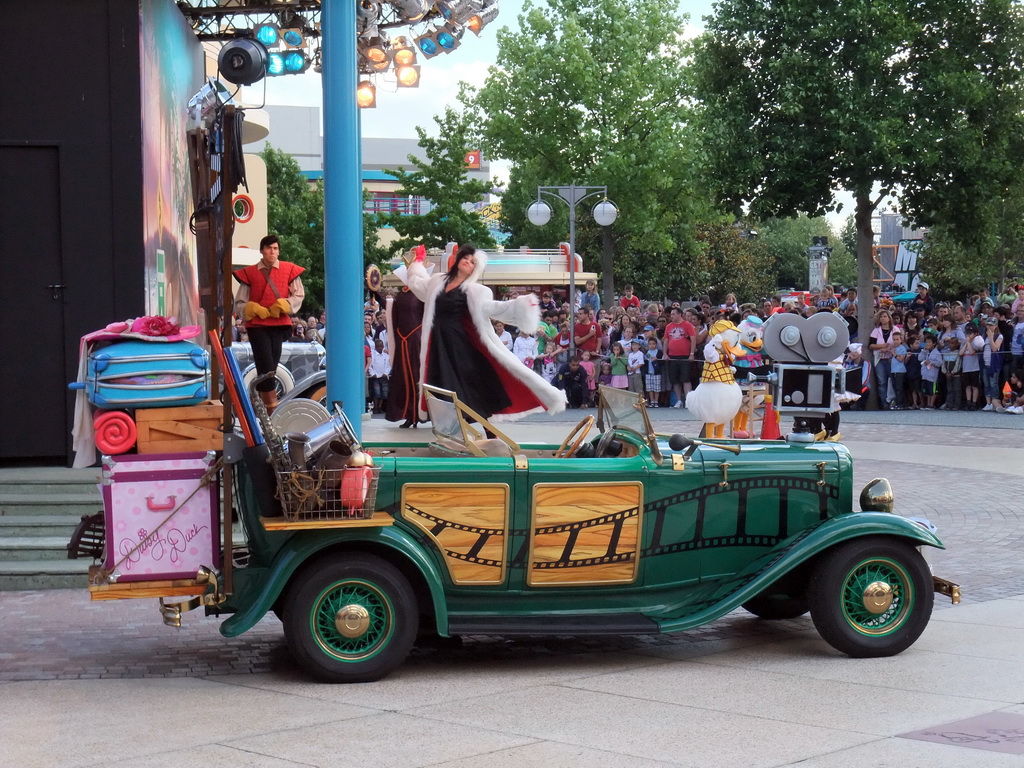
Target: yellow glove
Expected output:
[280,307]
[252,309]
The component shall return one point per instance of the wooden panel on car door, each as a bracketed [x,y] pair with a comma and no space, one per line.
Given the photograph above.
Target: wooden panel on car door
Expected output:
[467,522]
[584,533]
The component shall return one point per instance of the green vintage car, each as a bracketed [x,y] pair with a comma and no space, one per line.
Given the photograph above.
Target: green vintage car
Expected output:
[617,531]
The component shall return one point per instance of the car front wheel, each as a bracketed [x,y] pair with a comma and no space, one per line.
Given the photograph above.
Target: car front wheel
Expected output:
[350,620]
[871,597]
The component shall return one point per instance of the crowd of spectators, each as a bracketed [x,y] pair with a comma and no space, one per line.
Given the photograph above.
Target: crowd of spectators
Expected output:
[919,354]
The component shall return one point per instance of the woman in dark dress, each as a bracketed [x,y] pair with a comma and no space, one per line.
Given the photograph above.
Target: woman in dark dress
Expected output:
[464,355]
[405,326]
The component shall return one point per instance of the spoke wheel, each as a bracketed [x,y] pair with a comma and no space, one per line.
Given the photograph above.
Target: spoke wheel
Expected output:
[871,597]
[352,619]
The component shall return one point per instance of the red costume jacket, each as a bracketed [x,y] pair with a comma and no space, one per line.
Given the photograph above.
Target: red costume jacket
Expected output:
[261,292]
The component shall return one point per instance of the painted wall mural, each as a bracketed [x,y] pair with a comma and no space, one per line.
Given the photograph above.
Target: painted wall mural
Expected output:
[172,71]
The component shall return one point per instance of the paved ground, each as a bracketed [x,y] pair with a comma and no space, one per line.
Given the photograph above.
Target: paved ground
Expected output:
[86,683]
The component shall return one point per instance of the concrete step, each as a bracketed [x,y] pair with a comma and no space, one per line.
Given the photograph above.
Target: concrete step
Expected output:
[40,525]
[71,504]
[19,548]
[44,574]
[47,480]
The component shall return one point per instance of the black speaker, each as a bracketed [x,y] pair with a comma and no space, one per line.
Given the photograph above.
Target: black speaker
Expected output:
[243,61]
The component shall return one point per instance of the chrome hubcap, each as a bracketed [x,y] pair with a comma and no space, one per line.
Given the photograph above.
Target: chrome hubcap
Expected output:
[877,597]
[352,620]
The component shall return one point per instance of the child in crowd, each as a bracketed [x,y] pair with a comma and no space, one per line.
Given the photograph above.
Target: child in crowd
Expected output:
[634,367]
[951,367]
[971,366]
[898,370]
[378,371]
[991,364]
[931,367]
[859,375]
[652,371]
[620,366]
[604,378]
[548,365]
[587,364]
[827,301]
[1015,401]
[913,366]
[505,336]
[525,348]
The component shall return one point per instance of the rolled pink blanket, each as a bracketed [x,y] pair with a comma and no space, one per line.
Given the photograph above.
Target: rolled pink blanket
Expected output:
[114,432]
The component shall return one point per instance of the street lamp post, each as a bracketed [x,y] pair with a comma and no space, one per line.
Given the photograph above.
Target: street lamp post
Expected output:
[539,214]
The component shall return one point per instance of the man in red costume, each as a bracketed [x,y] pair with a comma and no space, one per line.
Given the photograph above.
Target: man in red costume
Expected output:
[270,291]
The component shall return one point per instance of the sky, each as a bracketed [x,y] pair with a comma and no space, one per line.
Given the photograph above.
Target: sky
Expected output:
[399,111]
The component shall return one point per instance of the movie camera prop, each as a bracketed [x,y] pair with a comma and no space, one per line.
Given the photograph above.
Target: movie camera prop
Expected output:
[802,349]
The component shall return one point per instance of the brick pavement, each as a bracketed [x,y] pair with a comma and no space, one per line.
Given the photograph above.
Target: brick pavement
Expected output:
[60,634]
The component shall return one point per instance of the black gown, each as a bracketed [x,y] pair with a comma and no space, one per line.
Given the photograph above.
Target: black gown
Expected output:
[407,325]
[455,361]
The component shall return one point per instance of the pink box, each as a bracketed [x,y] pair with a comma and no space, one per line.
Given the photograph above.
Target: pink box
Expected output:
[144,540]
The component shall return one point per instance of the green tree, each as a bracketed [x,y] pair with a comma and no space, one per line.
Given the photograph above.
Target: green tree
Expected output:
[957,268]
[295,213]
[787,241]
[917,97]
[590,92]
[442,180]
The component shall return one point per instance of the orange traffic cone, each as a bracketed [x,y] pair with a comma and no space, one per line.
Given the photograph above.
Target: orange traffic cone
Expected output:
[770,423]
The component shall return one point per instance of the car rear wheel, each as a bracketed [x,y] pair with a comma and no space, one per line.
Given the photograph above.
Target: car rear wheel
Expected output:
[350,620]
[871,597]
[777,606]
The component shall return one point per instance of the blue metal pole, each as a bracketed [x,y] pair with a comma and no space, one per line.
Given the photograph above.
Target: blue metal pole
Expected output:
[343,214]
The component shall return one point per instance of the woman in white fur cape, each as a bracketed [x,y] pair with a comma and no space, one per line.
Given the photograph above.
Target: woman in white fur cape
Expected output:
[461,350]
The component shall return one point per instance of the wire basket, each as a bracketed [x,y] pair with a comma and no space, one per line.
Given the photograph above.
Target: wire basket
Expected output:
[328,494]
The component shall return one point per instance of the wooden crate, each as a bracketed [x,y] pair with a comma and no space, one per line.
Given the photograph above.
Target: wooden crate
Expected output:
[181,429]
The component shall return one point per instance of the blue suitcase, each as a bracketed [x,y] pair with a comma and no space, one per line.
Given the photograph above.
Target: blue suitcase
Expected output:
[148,374]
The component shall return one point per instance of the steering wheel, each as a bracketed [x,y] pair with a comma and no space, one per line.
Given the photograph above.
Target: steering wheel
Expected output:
[603,443]
[576,437]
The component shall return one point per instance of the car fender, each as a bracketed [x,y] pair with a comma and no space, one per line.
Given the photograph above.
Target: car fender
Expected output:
[258,595]
[747,584]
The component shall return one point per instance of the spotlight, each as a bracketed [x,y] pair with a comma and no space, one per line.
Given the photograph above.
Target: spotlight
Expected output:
[408,76]
[375,51]
[402,52]
[366,95]
[267,34]
[448,37]
[478,21]
[428,46]
[367,14]
[295,63]
[275,64]
[293,38]
[411,10]
[454,10]
[243,61]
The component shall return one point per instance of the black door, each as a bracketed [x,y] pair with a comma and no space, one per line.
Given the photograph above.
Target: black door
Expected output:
[34,401]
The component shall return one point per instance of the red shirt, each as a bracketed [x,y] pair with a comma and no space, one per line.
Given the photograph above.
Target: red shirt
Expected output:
[679,338]
[582,329]
[632,301]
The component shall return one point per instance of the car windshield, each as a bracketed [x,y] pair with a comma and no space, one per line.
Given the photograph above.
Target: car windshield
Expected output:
[620,408]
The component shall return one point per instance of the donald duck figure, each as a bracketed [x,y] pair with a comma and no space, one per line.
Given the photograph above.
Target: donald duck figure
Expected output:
[717,399]
[751,332]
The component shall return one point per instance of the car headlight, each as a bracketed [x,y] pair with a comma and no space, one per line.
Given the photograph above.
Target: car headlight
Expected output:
[877,496]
